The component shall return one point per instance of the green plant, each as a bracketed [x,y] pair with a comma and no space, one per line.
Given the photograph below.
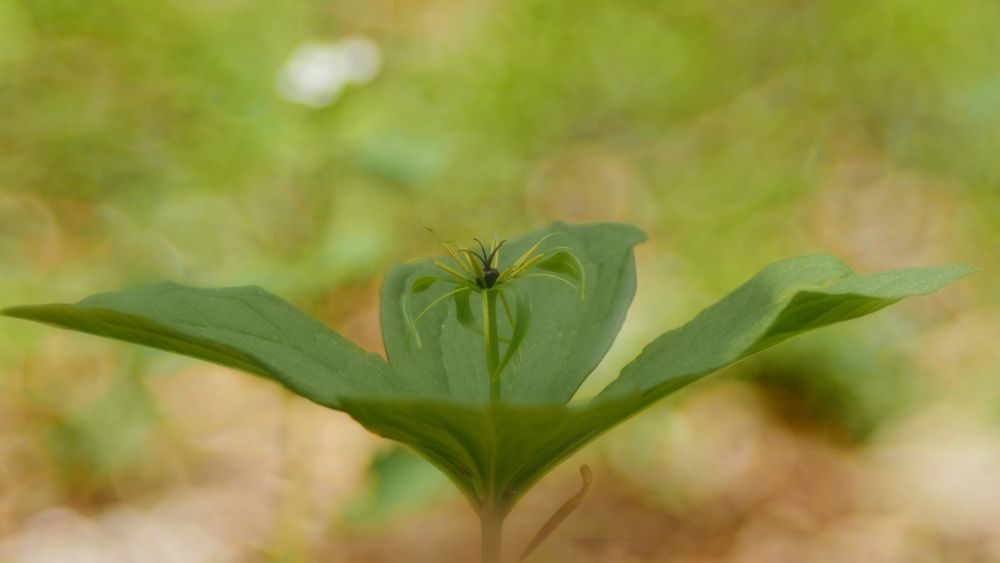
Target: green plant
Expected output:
[494,424]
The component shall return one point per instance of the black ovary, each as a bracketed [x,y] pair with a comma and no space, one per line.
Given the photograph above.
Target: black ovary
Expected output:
[489,278]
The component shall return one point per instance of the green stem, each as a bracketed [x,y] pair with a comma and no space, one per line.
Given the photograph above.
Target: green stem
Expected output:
[492,343]
[491,524]
[491,515]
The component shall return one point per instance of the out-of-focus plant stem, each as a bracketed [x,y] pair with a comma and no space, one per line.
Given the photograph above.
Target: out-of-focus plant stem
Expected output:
[491,522]
[492,342]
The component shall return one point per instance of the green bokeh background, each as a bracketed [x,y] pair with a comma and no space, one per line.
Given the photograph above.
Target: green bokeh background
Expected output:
[142,141]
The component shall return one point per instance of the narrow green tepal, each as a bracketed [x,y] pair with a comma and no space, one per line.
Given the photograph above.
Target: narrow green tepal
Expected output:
[482,365]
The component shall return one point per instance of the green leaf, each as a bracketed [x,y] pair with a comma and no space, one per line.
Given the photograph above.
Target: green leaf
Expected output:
[245,328]
[784,299]
[565,341]
[506,448]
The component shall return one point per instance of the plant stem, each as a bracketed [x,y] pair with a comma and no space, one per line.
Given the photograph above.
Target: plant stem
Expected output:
[491,516]
[492,343]
[491,523]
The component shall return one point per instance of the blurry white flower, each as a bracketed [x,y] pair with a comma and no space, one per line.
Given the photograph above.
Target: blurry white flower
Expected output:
[317,72]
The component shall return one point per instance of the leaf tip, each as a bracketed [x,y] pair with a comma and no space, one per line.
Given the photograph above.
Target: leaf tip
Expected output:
[16,311]
[967,268]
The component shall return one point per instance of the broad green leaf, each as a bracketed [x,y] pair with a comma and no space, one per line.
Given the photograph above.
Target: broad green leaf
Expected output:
[566,338]
[784,299]
[245,328]
[504,448]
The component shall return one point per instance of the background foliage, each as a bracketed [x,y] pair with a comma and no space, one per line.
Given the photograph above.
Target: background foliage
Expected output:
[150,140]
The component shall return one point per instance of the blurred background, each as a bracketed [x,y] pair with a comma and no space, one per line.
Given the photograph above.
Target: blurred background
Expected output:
[300,145]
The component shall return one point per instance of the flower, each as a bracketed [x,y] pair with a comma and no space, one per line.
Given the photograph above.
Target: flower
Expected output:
[480,270]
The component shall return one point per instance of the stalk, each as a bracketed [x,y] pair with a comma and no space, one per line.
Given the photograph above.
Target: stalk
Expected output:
[492,342]
[491,516]
[491,524]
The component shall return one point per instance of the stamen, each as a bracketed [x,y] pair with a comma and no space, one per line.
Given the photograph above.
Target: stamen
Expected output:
[494,253]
